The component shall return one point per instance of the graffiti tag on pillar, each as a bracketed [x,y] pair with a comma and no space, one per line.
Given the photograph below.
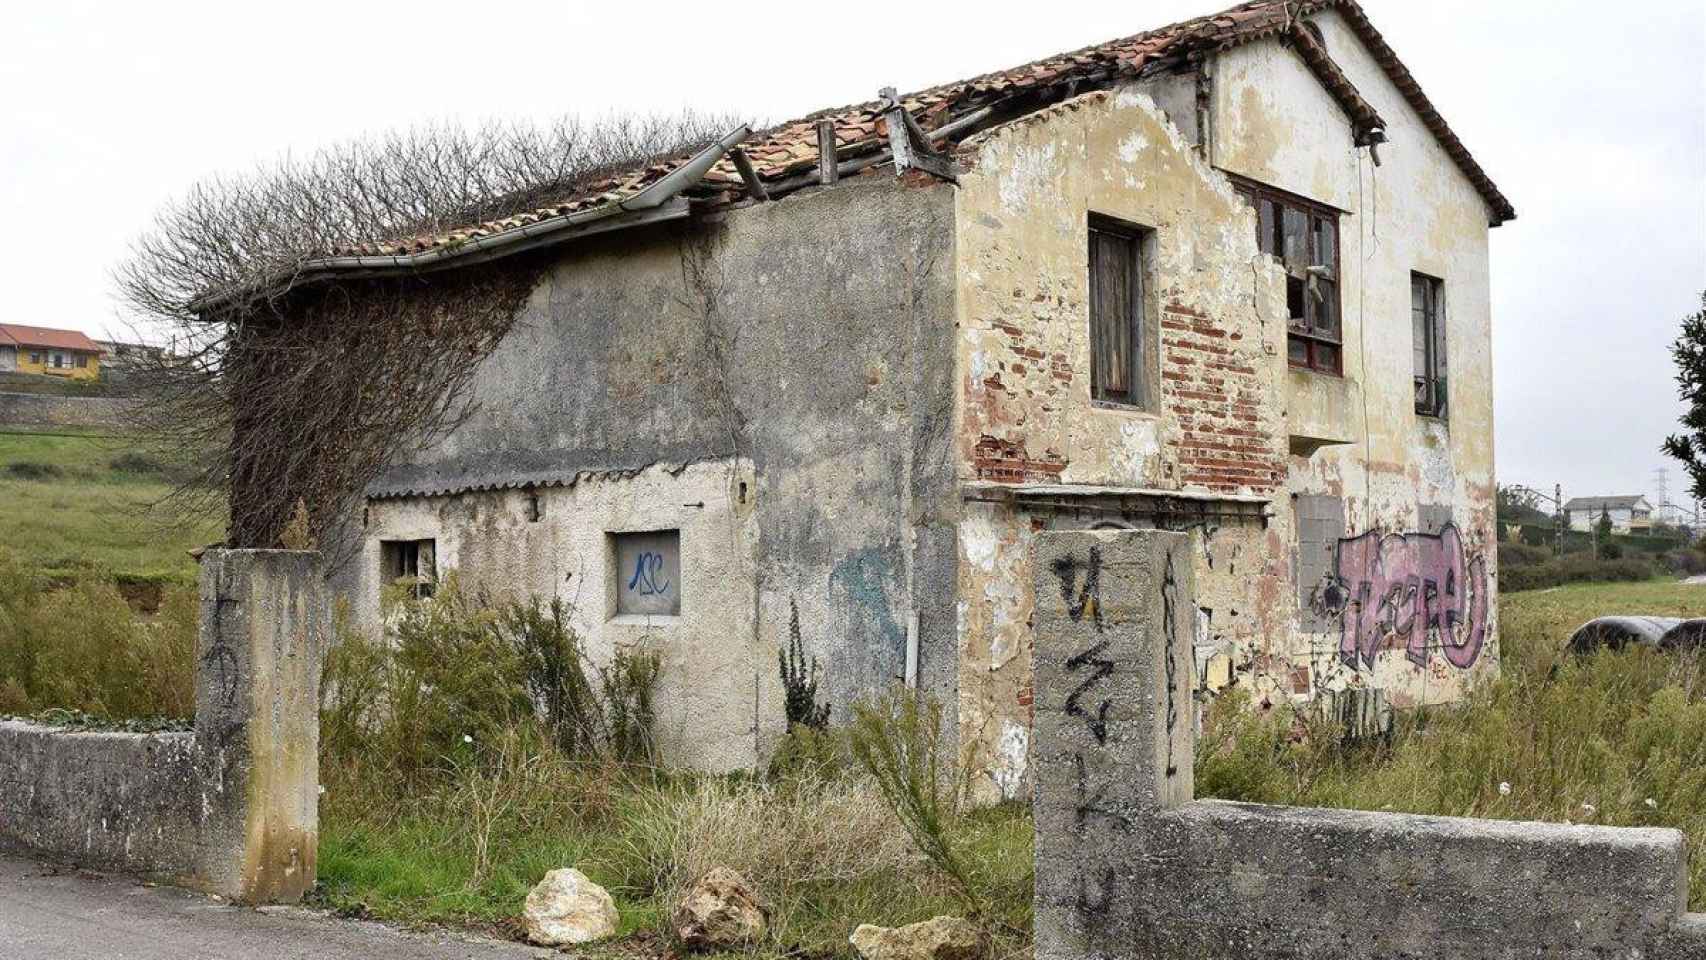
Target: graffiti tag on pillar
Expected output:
[1088,598]
[1090,802]
[1104,668]
[1170,628]
[1415,588]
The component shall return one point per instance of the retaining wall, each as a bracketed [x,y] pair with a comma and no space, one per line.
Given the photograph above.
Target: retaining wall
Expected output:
[42,410]
[1129,865]
[231,808]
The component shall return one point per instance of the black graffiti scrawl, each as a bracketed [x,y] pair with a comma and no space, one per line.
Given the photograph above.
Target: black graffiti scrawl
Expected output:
[1086,601]
[1170,624]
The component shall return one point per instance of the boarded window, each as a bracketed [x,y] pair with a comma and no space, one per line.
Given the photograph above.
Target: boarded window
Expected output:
[1320,527]
[1427,325]
[1304,237]
[648,572]
[410,562]
[1117,339]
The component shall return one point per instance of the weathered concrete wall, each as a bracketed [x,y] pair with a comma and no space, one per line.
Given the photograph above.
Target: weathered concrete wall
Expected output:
[776,386]
[1129,866]
[1027,414]
[233,807]
[41,410]
[1392,477]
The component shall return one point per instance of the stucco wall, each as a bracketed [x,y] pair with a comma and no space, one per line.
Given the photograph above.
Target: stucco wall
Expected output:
[1027,413]
[801,348]
[1392,470]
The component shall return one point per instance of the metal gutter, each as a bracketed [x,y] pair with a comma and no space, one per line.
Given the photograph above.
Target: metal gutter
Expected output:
[656,202]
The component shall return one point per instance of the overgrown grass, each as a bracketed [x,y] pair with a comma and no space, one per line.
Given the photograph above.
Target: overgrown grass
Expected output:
[1617,738]
[450,793]
[80,505]
[81,648]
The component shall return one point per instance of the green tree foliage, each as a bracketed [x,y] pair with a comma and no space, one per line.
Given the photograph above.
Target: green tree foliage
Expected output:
[1689,353]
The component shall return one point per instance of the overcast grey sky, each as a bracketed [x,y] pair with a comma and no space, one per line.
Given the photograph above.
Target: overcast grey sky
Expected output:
[1590,116]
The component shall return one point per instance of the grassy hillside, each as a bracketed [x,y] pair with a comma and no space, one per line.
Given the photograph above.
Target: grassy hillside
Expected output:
[79,503]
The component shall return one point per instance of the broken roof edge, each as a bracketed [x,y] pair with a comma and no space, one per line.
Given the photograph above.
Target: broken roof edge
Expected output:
[1411,90]
[649,204]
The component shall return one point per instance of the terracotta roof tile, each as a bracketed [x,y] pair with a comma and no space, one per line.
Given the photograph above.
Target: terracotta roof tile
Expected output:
[791,148]
[47,338]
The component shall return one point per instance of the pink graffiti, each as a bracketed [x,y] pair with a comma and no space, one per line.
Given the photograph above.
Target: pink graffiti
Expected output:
[1415,586]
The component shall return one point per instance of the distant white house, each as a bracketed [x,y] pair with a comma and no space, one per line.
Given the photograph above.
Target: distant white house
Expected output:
[1631,514]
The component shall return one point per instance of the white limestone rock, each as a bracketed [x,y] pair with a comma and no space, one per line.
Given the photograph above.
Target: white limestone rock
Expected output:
[568,908]
[944,938]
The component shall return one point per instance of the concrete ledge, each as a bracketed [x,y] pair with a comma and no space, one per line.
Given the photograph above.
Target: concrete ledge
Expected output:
[1128,864]
[233,807]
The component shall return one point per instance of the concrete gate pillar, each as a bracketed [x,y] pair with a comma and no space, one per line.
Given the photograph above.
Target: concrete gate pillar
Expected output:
[1114,723]
[266,624]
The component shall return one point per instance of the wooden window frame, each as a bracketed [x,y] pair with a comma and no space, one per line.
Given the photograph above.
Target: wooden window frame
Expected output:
[403,559]
[1140,371]
[1432,384]
[1324,353]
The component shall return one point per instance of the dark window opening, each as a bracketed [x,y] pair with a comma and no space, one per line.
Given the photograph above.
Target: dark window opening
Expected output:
[535,507]
[1304,237]
[1427,326]
[410,562]
[1118,348]
[82,361]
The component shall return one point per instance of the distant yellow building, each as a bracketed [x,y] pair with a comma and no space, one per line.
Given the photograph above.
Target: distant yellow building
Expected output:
[44,350]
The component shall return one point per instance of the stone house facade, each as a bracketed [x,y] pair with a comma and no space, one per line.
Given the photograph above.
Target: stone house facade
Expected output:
[1628,514]
[1206,278]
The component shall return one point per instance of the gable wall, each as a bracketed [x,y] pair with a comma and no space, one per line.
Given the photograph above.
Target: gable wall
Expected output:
[1274,123]
[1025,409]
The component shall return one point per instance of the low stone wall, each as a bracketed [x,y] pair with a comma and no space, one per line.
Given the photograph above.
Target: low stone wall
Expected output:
[1129,865]
[41,410]
[231,808]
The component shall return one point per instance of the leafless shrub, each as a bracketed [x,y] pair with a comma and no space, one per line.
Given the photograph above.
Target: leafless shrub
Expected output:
[305,393]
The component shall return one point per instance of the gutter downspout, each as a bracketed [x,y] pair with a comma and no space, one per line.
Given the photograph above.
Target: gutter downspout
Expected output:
[648,205]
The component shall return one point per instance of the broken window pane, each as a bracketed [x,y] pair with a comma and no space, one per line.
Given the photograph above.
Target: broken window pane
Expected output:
[1326,299]
[1301,235]
[1296,291]
[1296,243]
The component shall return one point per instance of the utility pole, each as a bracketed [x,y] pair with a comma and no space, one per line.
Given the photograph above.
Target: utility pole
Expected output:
[1559,520]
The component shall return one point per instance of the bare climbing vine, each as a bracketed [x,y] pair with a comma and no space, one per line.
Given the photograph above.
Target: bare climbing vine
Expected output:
[286,393]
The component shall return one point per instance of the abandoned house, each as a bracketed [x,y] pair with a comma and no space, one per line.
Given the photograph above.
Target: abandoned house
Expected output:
[1228,276]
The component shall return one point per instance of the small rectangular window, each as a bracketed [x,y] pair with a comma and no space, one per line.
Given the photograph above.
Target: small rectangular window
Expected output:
[83,361]
[648,572]
[1118,346]
[1304,237]
[1427,326]
[410,562]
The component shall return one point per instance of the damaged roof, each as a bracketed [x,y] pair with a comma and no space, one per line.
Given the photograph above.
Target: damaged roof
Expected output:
[787,156]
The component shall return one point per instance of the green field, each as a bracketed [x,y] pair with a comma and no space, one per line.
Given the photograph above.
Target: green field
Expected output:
[66,509]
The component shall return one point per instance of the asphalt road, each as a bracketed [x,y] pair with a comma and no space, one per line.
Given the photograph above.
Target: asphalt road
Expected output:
[53,913]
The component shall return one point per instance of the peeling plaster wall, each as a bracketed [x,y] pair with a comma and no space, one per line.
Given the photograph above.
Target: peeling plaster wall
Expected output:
[1416,212]
[1026,412]
[800,347]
